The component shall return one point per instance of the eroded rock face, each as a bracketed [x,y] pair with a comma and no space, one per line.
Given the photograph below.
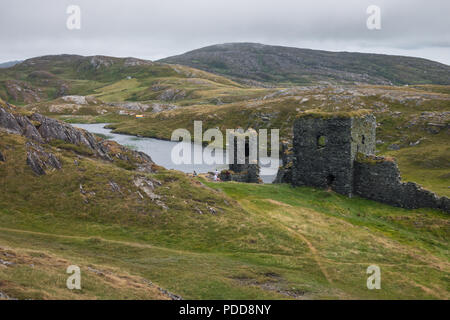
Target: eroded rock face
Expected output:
[50,129]
[147,186]
[9,123]
[40,129]
[19,125]
[40,160]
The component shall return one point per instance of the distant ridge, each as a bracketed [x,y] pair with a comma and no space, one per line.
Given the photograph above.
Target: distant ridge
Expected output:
[9,64]
[276,64]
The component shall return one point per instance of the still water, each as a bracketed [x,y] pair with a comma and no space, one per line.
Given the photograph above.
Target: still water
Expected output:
[160,152]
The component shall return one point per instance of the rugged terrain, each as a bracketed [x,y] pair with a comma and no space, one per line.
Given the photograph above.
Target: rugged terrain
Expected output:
[140,231]
[129,228]
[249,62]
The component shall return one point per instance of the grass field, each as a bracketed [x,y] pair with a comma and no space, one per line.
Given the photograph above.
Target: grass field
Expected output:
[259,242]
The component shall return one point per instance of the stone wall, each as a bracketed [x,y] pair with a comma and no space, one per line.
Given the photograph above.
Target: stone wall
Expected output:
[337,152]
[241,168]
[249,174]
[378,179]
[325,149]
[284,174]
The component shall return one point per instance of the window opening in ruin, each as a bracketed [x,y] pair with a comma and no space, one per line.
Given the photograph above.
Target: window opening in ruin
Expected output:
[247,147]
[363,139]
[321,141]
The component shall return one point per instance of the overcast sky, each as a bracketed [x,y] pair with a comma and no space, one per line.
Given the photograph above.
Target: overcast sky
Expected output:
[154,29]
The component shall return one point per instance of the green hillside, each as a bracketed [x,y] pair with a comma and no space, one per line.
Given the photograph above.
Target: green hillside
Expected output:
[115,79]
[139,231]
[216,241]
[286,65]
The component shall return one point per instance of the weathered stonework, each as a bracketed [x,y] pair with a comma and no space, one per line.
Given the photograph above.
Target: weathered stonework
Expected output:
[284,174]
[378,179]
[336,151]
[326,147]
[241,168]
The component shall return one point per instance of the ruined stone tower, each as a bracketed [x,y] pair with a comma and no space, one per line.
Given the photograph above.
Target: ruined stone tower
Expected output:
[326,146]
[241,167]
[336,150]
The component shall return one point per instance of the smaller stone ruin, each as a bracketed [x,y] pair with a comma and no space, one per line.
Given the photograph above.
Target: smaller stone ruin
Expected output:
[241,166]
[337,151]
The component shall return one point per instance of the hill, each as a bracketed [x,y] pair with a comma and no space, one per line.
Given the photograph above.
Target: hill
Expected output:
[116,79]
[286,65]
[158,234]
[9,64]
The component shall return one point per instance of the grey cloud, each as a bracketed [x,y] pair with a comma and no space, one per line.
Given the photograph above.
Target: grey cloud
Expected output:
[157,28]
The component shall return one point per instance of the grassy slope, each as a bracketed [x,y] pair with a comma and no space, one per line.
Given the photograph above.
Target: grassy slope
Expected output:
[45,76]
[265,241]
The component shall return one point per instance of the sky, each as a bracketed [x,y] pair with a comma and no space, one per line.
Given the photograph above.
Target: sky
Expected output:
[154,29]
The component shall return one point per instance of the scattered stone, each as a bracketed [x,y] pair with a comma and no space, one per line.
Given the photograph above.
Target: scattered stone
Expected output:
[39,160]
[212,210]
[170,294]
[435,128]
[147,186]
[98,272]
[115,187]
[394,146]
[6,263]
[162,204]
[75,99]
[412,144]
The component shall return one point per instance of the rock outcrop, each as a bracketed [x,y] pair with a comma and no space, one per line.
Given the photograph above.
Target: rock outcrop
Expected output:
[41,130]
[40,160]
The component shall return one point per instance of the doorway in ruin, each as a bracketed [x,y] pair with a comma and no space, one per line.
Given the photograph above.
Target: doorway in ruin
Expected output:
[330,180]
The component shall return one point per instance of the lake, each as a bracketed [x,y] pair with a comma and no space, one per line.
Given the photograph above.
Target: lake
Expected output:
[160,151]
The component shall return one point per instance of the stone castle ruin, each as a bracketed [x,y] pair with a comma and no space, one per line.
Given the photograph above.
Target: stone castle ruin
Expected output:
[337,151]
[242,166]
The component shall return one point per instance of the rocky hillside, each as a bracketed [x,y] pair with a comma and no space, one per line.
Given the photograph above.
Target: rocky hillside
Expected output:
[284,65]
[113,80]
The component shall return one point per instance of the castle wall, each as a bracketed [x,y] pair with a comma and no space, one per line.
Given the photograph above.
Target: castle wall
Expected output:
[379,179]
[322,153]
[363,135]
[241,169]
